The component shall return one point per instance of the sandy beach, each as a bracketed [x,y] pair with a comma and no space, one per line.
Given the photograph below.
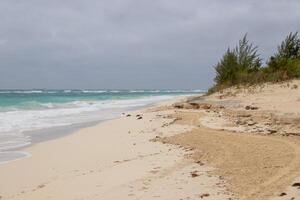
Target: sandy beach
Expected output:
[193,149]
[149,100]
[113,160]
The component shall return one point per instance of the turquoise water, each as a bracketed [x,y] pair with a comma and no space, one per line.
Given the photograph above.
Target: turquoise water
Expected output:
[26,111]
[39,99]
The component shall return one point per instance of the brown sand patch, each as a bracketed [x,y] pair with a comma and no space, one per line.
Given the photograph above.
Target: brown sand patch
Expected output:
[256,167]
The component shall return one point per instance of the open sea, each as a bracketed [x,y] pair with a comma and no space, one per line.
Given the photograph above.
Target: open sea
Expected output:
[24,114]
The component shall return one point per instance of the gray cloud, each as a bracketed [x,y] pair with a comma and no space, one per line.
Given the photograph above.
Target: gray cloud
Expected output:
[131,43]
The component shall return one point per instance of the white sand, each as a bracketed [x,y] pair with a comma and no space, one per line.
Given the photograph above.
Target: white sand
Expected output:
[112,160]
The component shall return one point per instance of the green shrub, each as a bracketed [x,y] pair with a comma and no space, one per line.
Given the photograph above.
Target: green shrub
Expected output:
[247,56]
[226,69]
[293,68]
[242,65]
[288,51]
[236,64]
[290,47]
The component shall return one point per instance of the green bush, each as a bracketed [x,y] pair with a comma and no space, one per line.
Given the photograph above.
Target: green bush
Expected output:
[242,65]
[293,68]
[235,65]
[286,54]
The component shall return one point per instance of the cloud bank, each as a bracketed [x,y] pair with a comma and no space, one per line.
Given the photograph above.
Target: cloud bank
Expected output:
[126,44]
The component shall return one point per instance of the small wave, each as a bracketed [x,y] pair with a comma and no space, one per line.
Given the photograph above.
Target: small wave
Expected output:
[94,91]
[21,91]
[115,91]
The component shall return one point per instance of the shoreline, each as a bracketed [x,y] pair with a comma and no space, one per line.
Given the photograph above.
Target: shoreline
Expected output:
[166,151]
[52,133]
[138,161]
[44,135]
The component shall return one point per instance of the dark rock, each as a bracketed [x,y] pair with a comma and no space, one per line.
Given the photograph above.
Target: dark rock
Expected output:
[272,131]
[204,195]
[251,108]
[140,117]
[128,115]
[178,105]
[200,163]
[186,105]
[282,194]
[195,105]
[194,174]
[296,185]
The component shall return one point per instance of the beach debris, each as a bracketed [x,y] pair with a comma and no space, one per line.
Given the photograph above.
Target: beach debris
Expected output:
[182,106]
[200,163]
[296,185]
[194,174]
[204,195]
[186,105]
[154,171]
[139,117]
[157,138]
[244,115]
[41,186]
[249,107]
[282,194]
[251,123]
[240,122]
[206,106]
[128,115]
[272,131]
[195,105]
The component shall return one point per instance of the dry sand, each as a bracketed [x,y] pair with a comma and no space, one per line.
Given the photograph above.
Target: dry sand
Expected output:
[113,160]
[265,162]
[255,167]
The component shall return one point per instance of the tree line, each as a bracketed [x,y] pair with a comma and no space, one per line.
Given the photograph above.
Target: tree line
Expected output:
[243,65]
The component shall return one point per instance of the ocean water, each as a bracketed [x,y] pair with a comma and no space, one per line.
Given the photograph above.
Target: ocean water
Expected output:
[25,111]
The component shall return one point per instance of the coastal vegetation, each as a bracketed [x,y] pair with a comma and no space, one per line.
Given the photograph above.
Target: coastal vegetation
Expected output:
[242,65]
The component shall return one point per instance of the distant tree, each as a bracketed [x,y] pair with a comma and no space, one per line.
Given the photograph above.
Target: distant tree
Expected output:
[226,68]
[290,47]
[248,58]
[236,64]
[287,52]
[243,65]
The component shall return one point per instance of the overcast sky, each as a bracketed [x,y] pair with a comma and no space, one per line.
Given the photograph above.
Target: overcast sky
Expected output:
[131,44]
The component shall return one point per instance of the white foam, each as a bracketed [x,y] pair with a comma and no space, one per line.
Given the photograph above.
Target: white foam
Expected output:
[14,124]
